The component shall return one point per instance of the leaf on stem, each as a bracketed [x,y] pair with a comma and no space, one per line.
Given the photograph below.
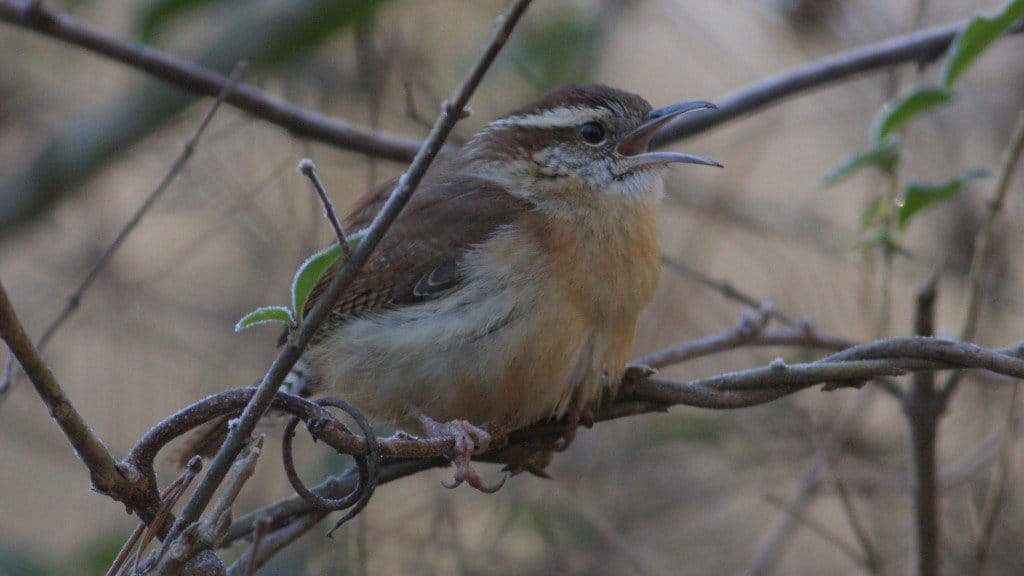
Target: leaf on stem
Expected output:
[899,111]
[920,195]
[264,315]
[976,37]
[884,155]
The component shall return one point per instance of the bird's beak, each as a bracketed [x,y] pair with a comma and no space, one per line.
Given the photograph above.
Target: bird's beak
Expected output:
[635,144]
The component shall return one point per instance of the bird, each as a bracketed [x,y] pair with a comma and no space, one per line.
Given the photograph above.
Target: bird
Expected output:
[508,289]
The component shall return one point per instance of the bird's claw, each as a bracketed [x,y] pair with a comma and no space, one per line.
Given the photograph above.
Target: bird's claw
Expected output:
[636,372]
[469,440]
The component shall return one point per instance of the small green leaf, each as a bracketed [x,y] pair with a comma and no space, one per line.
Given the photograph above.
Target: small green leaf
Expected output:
[976,37]
[264,315]
[308,274]
[919,195]
[884,154]
[897,112]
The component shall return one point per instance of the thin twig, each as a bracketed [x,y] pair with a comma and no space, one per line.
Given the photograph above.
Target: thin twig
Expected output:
[308,168]
[820,529]
[770,547]
[208,533]
[749,331]
[75,299]
[872,557]
[997,489]
[723,287]
[169,496]
[262,526]
[983,250]
[293,349]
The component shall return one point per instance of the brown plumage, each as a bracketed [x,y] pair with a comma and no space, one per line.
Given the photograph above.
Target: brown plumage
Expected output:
[508,289]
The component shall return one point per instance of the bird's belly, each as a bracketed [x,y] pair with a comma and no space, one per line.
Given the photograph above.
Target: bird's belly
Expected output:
[508,354]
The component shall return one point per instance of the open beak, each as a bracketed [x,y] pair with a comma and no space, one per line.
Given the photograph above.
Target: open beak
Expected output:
[635,144]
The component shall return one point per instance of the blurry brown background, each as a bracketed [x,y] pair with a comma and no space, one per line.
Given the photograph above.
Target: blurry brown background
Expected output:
[689,492]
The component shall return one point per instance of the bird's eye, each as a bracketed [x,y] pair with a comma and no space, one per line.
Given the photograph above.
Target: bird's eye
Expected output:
[592,132]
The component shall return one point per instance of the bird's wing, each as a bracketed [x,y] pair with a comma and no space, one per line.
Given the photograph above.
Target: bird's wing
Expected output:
[420,255]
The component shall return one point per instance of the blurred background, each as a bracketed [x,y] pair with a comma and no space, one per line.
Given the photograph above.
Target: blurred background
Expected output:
[688,492]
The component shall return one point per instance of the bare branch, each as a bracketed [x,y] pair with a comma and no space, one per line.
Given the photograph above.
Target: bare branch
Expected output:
[723,287]
[749,331]
[922,46]
[208,533]
[103,470]
[308,168]
[302,122]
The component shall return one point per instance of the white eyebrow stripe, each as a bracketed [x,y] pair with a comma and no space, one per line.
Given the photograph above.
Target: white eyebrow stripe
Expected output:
[562,117]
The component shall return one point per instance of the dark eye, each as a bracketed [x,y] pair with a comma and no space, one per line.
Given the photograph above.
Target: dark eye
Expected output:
[592,132]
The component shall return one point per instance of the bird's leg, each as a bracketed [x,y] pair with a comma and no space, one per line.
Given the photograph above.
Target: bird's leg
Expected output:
[579,413]
[469,440]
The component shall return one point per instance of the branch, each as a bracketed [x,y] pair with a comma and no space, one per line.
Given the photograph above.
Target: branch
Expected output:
[292,350]
[922,46]
[922,410]
[103,470]
[9,376]
[749,331]
[301,122]
[404,456]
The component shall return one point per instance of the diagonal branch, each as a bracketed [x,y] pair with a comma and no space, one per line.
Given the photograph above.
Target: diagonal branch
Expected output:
[302,122]
[103,470]
[293,348]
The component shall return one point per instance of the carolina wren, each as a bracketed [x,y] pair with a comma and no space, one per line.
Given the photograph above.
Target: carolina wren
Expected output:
[509,288]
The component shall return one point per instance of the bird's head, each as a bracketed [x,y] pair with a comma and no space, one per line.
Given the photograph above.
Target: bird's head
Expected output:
[586,140]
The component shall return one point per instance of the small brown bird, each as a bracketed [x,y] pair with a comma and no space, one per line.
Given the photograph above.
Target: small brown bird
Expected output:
[508,289]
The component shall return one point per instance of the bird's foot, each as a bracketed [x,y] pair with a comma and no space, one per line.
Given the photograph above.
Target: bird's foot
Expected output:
[580,413]
[469,440]
[636,372]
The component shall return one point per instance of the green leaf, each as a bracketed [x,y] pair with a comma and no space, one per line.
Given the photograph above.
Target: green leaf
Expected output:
[884,154]
[919,195]
[308,274]
[264,315]
[976,37]
[897,112]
